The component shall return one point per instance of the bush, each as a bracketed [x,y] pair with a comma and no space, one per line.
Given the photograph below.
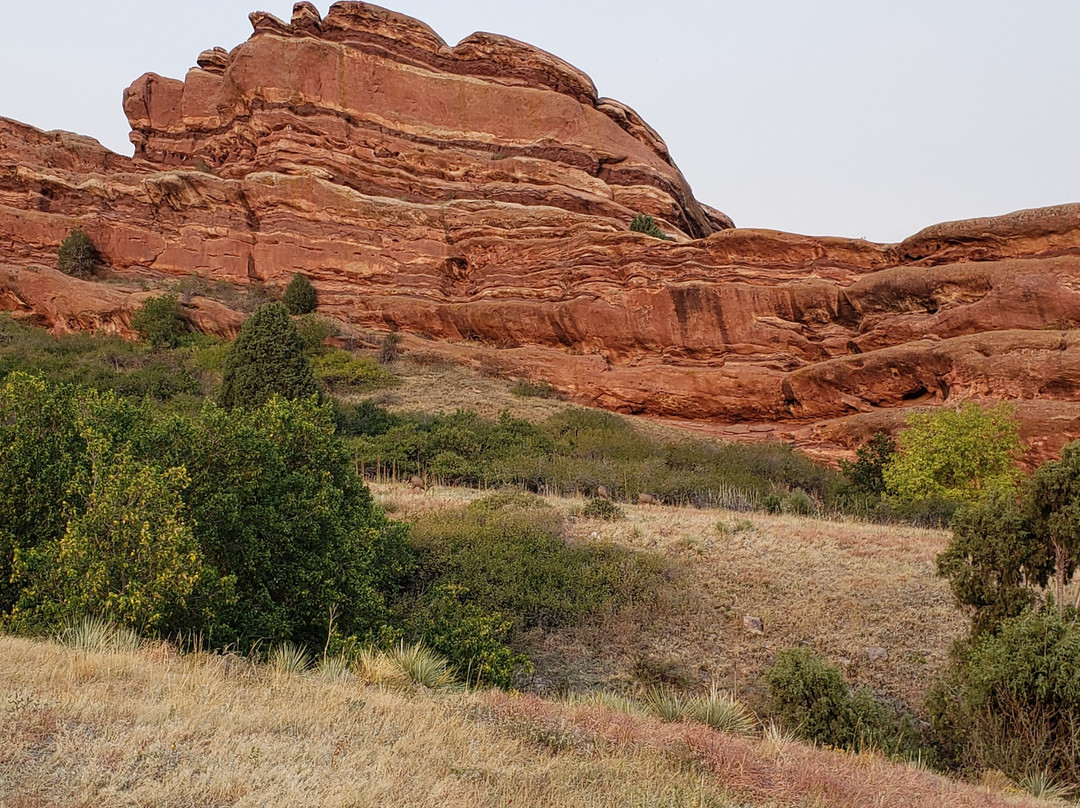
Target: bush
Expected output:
[811,698]
[77,255]
[955,455]
[867,473]
[390,348]
[644,223]
[509,555]
[341,371]
[267,359]
[299,296]
[599,508]
[1012,700]
[160,322]
[799,503]
[314,331]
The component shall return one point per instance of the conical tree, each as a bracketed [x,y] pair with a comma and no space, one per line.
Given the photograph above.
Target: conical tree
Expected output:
[267,358]
[299,297]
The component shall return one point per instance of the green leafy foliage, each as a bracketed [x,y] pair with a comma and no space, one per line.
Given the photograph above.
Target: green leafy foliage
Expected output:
[77,255]
[299,296]
[867,472]
[644,223]
[342,372]
[994,561]
[955,455]
[1053,506]
[812,698]
[1012,700]
[160,322]
[509,554]
[239,525]
[599,508]
[474,640]
[267,359]
[130,557]
[576,451]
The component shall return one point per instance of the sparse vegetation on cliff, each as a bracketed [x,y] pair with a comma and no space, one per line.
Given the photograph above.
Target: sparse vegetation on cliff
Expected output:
[77,255]
[644,223]
[299,295]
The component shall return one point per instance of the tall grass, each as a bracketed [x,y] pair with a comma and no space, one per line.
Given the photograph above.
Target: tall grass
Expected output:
[93,633]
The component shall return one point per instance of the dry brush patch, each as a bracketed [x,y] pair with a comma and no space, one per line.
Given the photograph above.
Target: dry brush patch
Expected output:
[151,728]
[749,769]
[840,587]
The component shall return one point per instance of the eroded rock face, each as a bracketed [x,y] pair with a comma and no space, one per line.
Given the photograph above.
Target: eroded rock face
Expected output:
[477,198]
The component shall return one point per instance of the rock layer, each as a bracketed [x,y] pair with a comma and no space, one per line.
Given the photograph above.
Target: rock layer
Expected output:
[477,198]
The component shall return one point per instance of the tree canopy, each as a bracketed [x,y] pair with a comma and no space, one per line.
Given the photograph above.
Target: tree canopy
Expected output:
[266,359]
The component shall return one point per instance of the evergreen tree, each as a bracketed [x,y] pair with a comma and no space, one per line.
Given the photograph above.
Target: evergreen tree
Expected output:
[266,359]
[77,255]
[159,321]
[299,297]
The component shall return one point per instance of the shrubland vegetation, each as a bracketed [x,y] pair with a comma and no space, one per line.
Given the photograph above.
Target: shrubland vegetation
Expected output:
[214,494]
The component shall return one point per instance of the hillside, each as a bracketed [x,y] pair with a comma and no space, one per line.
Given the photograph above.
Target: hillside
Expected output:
[477,198]
[111,728]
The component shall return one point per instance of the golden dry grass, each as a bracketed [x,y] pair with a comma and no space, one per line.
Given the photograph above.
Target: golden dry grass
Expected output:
[839,587]
[149,727]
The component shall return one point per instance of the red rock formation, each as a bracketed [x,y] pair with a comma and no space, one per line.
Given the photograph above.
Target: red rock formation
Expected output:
[477,198]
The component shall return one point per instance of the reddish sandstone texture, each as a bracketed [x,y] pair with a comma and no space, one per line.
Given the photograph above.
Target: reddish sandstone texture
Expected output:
[477,198]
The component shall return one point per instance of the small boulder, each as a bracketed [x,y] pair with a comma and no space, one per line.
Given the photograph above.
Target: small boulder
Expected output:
[753,625]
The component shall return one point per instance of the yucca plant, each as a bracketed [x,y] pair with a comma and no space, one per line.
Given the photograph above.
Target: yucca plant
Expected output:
[1041,783]
[723,713]
[288,658]
[667,704]
[334,668]
[377,668]
[93,633]
[423,666]
[775,739]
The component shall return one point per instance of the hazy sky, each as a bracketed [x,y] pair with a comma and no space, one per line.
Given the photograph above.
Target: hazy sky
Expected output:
[835,117]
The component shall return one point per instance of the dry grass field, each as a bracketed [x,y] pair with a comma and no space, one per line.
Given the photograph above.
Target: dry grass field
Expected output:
[150,728]
[839,587]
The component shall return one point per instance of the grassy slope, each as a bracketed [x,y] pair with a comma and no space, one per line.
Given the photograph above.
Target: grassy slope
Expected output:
[840,587]
[151,728]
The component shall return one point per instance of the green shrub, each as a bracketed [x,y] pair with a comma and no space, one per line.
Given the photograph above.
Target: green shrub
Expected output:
[475,641]
[509,554]
[160,322]
[530,389]
[812,698]
[772,503]
[867,473]
[955,455]
[799,503]
[644,223]
[341,371]
[314,331]
[1012,700]
[77,255]
[267,359]
[299,296]
[598,508]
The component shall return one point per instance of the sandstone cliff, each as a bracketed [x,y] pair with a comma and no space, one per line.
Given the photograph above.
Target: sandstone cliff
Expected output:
[477,198]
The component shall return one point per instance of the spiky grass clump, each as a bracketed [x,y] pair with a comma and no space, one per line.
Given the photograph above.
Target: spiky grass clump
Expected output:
[723,713]
[612,701]
[376,668]
[1046,786]
[423,666]
[668,704]
[288,658]
[335,668]
[775,740]
[93,633]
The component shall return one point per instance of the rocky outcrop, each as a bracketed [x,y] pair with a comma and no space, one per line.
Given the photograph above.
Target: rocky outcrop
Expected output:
[477,199]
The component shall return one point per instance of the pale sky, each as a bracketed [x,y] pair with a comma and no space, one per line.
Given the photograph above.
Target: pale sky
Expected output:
[858,118]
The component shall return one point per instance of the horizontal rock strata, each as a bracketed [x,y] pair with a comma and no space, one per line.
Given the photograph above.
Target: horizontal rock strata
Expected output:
[477,198]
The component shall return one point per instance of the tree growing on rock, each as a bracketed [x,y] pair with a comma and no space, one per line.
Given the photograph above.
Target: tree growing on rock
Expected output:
[267,359]
[77,255]
[299,297]
[644,223]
